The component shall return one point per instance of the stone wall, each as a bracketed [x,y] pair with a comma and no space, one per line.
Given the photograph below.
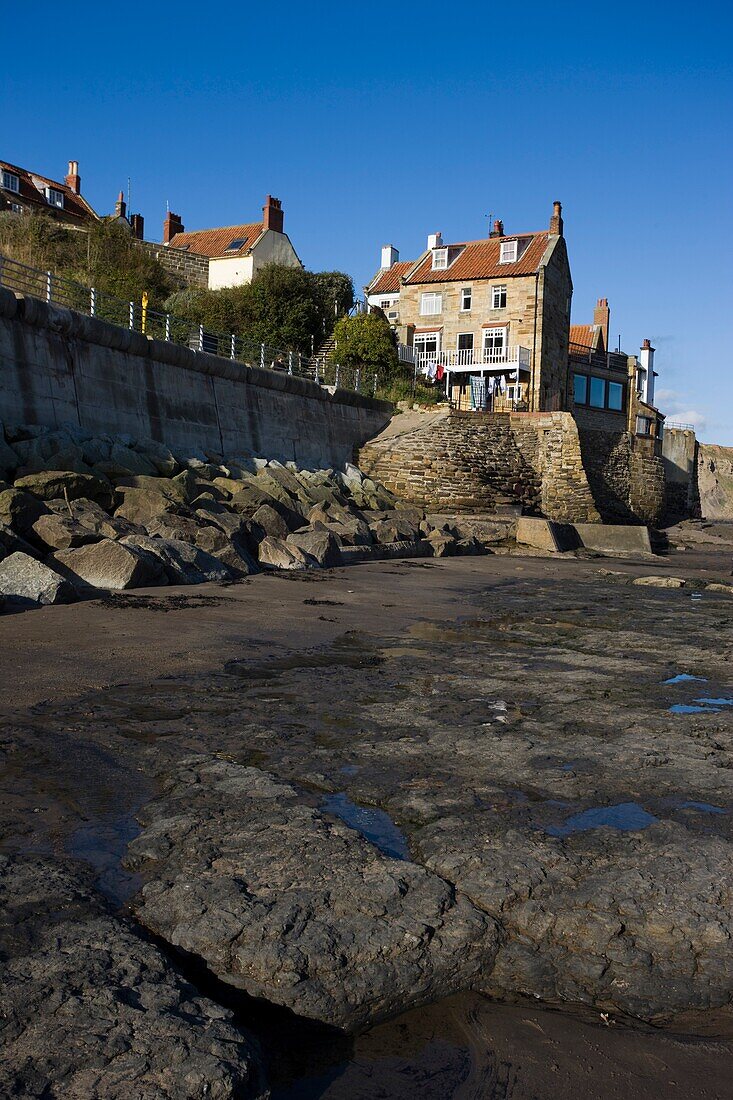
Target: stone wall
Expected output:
[58,366]
[680,455]
[469,462]
[189,267]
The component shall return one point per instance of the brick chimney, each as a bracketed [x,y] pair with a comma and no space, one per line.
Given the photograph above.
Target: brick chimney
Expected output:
[120,206]
[171,226]
[138,223]
[73,179]
[556,220]
[498,230]
[273,216]
[602,318]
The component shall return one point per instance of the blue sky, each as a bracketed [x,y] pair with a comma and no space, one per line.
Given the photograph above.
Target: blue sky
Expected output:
[384,125]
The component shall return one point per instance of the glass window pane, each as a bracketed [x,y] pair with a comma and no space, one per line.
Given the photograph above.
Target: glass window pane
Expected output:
[597,393]
[580,389]
[615,396]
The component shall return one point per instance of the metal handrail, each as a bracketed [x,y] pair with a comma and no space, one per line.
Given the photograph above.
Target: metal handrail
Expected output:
[58,290]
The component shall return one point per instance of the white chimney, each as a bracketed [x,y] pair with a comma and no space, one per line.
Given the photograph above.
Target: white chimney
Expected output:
[435,240]
[646,359]
[390,256]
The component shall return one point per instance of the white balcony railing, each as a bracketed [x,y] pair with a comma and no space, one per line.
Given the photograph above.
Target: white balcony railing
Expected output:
[471,359]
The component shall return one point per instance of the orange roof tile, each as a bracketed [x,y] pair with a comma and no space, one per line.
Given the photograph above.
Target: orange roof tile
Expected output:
[213,242]
[388,281]
[75,207]
[480,260]
[583,335]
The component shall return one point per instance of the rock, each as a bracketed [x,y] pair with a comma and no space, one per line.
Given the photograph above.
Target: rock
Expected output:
[141,506]
[173,526]
[272,523]
[123,461]
[319,545]
[660,582]
[232,552]
[20,510]
[60,483]
[713,587]
[169,487]
[92,516]
[9,460]
[159,456]
[350,526]
[107,564]
[92,1009]
[443,544]
[229,485]
[296,907]
[26,582]
[10,543]
[182,562]
[59,532]
[274,553]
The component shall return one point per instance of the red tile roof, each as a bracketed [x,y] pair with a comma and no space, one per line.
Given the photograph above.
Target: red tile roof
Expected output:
[480,260]
[584,335]
[388,281]
[31,195]
[213,242]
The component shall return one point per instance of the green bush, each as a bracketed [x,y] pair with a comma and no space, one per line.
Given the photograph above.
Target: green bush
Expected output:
[366,341]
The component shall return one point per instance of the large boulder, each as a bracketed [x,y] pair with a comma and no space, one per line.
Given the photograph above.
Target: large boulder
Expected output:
[92,516]
[64,483]
[19,509]
[10,543]
[108,564]
[141,506]
[182,562]
[9,460]
[173,526]
[169,487]
[251,497]
[123,461]
[277,554]
[232,552]
[92,1009]
[59,532]
[322,546]
[272,523]
[26,582]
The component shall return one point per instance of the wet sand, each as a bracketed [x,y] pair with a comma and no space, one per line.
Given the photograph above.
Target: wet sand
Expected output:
[93,696]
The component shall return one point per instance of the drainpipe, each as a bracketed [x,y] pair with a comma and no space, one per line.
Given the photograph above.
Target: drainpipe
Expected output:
[534,336]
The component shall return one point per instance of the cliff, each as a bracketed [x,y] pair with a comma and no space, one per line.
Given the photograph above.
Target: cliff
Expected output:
[715,479]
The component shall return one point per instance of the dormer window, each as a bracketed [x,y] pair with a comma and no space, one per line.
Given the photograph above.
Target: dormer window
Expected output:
[440,259]
[54,197]
[11,182]
[508,252]
[235,245]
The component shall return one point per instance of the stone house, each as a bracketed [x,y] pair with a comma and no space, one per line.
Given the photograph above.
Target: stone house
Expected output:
[230,255]
[611,390]
[26,192]
[486,315]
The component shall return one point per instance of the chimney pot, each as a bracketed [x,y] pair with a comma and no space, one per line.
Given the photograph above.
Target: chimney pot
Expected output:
[556,223]
[137,222]
[272,215]
[120,206]
[498,230]
[73,179]
[171,226]
[602,318]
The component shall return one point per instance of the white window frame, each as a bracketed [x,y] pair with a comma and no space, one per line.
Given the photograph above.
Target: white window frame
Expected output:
[385,303]
[508,252]
[466,293]
[55,198]
[489,351]
[11,182]
[440,259]
[431,304]
[420,339]
[496,294]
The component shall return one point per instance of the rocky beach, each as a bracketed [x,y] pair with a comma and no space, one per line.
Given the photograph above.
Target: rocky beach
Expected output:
[454,826]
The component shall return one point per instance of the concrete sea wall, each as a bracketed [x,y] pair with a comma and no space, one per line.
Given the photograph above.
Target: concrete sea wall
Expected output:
[58,366]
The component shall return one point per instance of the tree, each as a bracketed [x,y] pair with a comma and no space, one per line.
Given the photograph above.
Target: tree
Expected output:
[366,340]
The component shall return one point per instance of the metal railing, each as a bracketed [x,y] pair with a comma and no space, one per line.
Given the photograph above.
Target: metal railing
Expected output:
[475,358]
[139,317]
[604,360]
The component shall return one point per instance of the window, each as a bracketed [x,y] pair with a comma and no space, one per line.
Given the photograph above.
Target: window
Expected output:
[16,208]
[643,425]
[498,297]
[440,259]
[392,316]
[426,343]
[54,197]
[430,304]
[615,396]
[494,345]
[597,393]
[465,341]
[466,296]
[235,245]
[385,303]
[10,181]
[580,389]
[508,252]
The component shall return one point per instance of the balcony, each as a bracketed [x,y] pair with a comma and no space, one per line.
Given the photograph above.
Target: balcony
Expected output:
[470,359]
